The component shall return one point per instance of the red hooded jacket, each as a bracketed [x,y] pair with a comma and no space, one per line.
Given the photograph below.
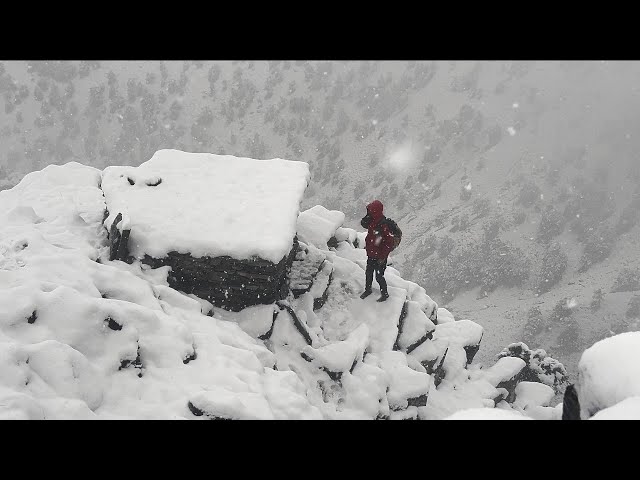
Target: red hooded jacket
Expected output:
[379,241]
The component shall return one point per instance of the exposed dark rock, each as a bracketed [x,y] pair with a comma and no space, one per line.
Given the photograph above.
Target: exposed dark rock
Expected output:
[227,282]
[131,181]
[438,374]
[510,385]
[123,250]
[304,269]
[332,243]
[267,335]
[335,376]
[112,324]
[413,346]
[471,350]
[353,365]
[296,322]
[403,316]
[199,413]
[420,401]
[319,302]
[429,365]
[33,317]
[570,404]
[154,184]
[191,356]
[118,242]
[498,399]
[137,363]
[195,410]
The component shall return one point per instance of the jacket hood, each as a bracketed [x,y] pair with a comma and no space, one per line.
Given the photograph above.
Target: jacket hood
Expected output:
[375,210]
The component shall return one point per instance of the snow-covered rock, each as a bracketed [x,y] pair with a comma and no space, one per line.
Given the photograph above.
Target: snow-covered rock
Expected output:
[85,337]
[317,225]
[627,409]
[608,373]
[533,394]
[231,202]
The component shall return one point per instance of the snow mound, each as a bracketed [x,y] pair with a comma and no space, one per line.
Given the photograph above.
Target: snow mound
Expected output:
[627,409]
[487,414]
[231,202]
[463,333]
[340,356]
[504,370]
[608,373]
[317,225]
[533,394]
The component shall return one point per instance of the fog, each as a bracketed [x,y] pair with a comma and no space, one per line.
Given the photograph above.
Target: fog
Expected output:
[515,183]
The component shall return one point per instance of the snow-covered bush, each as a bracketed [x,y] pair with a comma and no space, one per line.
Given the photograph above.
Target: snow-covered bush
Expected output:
[628,280]
[540,367]
[529,194]
[596,300]
[551,225]
[554,264]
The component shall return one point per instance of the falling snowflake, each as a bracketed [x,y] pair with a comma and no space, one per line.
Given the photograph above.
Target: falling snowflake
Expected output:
[512,131]
[467,187]
[375,122]
[572,303]
[516,105]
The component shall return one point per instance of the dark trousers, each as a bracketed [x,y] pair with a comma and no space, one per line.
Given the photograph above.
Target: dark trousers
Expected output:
[378,266]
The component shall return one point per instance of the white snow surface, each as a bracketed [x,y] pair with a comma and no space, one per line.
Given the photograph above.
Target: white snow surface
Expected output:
[67,362]
[533,394]
[82,337]
[487,414]
[627,409]
[608,373]
[317,225]
[208,205]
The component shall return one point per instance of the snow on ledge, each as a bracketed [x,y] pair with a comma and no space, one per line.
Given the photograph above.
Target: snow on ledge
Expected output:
[317,225]
[208,205]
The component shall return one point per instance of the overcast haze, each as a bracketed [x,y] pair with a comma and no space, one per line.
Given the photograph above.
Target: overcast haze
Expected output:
[515,183]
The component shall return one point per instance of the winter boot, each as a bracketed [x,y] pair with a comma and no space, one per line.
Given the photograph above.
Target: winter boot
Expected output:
[383,297]
[365,294]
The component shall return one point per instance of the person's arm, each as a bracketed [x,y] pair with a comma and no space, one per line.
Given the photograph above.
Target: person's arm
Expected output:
[387,237]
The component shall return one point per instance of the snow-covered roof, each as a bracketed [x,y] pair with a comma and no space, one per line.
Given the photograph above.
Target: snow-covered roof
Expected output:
[208,205]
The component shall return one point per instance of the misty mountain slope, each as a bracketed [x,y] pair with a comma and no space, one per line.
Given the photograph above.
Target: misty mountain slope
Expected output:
[514,182]
[85,337]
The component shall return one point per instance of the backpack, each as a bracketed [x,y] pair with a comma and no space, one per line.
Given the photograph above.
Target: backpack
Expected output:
[395,231]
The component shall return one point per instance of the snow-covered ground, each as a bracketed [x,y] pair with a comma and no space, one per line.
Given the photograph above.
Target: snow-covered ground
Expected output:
[84,337]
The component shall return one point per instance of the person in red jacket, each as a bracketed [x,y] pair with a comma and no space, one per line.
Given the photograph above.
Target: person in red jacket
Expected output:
[379,243]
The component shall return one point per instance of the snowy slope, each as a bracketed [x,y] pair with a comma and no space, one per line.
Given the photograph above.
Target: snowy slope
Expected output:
[83,337]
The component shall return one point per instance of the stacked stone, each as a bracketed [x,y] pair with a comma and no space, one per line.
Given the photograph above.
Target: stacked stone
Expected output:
[118,249]
[227,282]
